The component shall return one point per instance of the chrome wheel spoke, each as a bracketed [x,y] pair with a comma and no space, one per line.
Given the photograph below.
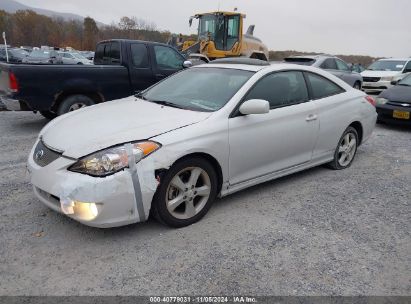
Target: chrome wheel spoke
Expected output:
[190,210]
[174,203]
[178,183]
[203,191]
[195,174]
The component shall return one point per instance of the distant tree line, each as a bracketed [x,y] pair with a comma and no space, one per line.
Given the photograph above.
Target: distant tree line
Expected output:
[27,28]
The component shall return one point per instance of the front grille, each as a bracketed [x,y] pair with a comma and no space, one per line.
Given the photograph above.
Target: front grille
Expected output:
[371,79]
[43,155]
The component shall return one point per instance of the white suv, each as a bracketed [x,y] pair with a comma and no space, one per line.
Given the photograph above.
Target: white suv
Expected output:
[379,75]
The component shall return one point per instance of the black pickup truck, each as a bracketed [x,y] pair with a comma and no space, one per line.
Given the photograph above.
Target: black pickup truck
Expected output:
[121,68]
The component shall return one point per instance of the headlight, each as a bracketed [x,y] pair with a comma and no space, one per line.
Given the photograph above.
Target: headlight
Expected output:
[387,78]
[381,101]
[113,159]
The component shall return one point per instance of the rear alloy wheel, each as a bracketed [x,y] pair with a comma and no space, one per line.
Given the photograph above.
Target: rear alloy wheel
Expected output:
[74,102]
[186,193]
[346,150]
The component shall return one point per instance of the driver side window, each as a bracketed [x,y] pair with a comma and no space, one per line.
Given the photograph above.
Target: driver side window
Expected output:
[280,89]
[167,58]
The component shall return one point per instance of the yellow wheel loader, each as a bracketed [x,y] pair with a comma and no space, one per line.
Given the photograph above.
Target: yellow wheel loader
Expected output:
[220,35]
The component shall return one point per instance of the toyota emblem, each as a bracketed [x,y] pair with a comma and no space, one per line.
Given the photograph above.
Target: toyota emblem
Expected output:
[39,154]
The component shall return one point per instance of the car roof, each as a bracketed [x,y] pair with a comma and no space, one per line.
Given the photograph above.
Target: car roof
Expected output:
[256,68]
[314,56]
[394,59]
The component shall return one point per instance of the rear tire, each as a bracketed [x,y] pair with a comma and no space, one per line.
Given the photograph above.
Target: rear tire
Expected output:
[73,103]
[346,149]
[186,192]
[48,114]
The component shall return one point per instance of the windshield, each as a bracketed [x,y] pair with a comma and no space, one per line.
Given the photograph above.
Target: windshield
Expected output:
[387,65]
[78,56]
[40,54]
[209,25]
[406,81]
[19,53]
[199,89]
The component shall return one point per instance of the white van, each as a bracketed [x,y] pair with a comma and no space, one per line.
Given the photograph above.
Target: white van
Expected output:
[379,75]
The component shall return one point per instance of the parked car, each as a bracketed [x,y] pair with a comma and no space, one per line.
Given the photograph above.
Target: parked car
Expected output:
[74,58]
[394,104]
[356,67]
[121,68]
[207,131]
[332,64]
[15,55]
[43,57]
[88,54]
[379,75]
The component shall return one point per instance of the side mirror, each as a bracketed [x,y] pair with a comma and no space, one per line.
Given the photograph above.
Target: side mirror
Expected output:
[255,106]
[187,64]
[394,82]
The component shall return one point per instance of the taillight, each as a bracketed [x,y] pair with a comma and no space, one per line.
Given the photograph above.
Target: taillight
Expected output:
[14,84]
[370,100]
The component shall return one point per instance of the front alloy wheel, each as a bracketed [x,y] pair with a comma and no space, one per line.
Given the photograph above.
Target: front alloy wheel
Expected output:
[185,193]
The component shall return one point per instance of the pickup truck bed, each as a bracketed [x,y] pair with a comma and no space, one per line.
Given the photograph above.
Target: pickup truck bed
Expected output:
[122,67]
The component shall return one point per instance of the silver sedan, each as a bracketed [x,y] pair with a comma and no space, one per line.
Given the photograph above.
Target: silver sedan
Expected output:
[203,133]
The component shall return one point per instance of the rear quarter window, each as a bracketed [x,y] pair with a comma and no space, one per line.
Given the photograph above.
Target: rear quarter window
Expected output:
[322,87]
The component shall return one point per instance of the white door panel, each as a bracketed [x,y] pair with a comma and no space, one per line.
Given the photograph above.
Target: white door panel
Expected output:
[335,114]
[264,143]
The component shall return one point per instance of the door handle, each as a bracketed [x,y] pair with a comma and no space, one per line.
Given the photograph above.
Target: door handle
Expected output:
[311,117]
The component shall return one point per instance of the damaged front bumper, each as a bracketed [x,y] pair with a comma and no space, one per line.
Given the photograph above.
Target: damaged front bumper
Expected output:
[116,200]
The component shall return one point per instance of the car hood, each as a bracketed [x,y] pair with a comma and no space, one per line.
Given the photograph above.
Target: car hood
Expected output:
[85,131]
[397,93]
[369,73]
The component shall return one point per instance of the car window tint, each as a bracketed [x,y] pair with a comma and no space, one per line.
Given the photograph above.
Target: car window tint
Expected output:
[329,64]
[280,89]
[139,55]
[341,65]
[408,67]
[322,87]
[167,58]
[115,53]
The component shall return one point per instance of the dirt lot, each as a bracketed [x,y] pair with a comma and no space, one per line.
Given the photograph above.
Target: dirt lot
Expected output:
[313,233]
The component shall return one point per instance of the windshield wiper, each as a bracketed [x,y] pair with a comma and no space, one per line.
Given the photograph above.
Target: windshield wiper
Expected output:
[166,103]
[140,95]
[404,84]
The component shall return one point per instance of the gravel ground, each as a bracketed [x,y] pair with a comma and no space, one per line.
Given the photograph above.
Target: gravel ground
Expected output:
[319,232]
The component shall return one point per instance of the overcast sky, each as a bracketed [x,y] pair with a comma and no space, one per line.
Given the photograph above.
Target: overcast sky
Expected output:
[360,27]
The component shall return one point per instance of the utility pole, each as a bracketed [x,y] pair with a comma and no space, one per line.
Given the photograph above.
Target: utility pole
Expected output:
[5,46]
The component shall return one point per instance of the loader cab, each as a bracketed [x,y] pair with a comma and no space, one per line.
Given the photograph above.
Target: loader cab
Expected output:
[224,29]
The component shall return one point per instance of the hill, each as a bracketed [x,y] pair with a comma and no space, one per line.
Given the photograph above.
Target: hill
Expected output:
[11,6]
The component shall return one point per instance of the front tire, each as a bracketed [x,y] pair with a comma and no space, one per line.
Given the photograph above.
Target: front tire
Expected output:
[346,149]
[73,103]
[185,193]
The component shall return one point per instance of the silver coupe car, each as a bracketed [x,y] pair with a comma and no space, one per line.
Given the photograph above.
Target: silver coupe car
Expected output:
[203,133]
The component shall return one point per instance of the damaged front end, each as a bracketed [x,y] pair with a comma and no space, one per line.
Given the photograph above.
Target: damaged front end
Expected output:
[113,187]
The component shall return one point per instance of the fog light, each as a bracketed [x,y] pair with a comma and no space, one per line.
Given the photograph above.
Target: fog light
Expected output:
[82,210]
